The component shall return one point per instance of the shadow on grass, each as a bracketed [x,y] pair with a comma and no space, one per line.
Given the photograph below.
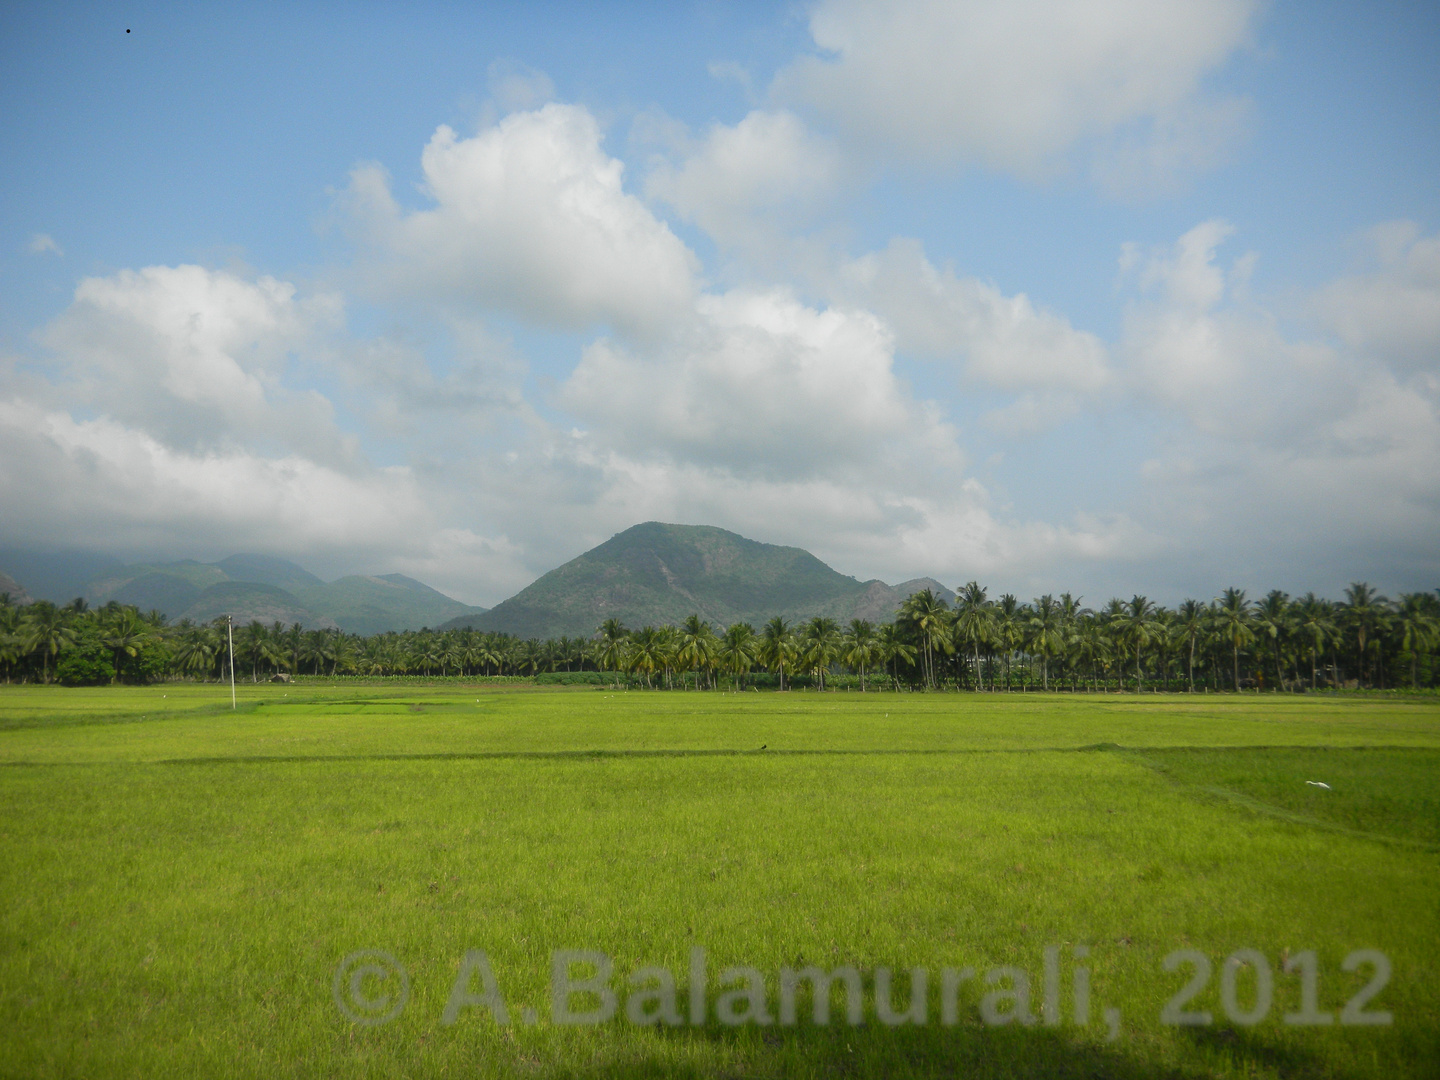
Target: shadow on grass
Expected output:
[1259,1052]
[64,720]
[973,1051]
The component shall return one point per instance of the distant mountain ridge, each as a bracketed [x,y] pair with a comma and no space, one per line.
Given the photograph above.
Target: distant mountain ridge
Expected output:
[248,587]
[650,574]
[654,573]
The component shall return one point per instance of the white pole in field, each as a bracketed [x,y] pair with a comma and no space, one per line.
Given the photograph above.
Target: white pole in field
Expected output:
[230,635]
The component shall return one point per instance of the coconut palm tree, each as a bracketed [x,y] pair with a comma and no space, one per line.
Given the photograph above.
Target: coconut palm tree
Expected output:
[696,646]
[256,644]
[613,640]
[1140,626]
[820,645]
[860,647]
[777,646]
[974,620]
[1091,645]
[1232,620]
[1314,621]
[1070,615]
[1189,624]
[893,648]
[1417,628]
[530,657]
[125,634]
[736,652]
[1008,631]
[1364,611]
[46,629]
[669,645]
[1043,625]
[11,649]
[198,649]
[318,649]
[345,652]
[929,615]
[1271,619]
[1116,638]
[647,653]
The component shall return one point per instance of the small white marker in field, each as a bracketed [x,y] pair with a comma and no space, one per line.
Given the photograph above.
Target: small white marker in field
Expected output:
[1318,783]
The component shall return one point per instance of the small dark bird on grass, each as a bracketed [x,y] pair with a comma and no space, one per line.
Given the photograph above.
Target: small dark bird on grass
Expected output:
[763,747]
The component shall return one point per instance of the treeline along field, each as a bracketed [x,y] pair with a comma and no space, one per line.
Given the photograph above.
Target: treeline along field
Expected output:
[1229,643]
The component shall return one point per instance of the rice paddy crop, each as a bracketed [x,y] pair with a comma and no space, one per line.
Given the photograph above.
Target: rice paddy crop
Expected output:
[183,884]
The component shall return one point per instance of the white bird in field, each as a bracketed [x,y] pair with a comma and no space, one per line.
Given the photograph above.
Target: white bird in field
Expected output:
[1318,783]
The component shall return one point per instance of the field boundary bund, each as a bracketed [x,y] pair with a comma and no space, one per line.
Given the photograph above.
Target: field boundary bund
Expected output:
[1134,752]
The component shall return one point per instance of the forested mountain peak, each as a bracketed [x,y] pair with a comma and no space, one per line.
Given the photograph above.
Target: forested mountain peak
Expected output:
[656,573]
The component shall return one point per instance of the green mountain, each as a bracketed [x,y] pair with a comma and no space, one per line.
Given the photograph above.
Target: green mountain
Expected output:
[248,601]
[171,587]
[372,605]
[268,570]
[158,591]
[246,587]
[653,574]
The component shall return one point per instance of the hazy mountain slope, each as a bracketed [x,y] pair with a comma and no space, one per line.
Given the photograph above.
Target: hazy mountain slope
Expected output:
[372,605]
[197,575]
[57,576]
[247,601]
[268,570]
[879,601]
[259,587]
[656,573]
[160,591]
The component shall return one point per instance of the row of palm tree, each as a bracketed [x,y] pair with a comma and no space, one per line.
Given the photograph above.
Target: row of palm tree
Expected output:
[978,643]
[1355,641]
[697,651]
[39,634]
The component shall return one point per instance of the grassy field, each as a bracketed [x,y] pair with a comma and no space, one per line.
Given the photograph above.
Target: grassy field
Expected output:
[180,882]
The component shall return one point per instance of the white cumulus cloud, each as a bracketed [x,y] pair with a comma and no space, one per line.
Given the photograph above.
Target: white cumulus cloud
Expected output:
[196,357]
[762,385]
[1013,86]
[99,483]
[42,244]
[531,218]
[1393,311]
[1005,342]
[1281,451]
[743,182]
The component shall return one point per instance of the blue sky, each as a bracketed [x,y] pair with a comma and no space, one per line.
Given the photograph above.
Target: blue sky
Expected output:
[1111,297]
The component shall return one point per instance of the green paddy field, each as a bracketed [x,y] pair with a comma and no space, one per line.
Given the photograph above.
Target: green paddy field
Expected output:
[184,890]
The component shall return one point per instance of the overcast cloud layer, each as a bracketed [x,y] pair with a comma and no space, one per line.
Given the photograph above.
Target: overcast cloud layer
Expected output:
[576,314]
